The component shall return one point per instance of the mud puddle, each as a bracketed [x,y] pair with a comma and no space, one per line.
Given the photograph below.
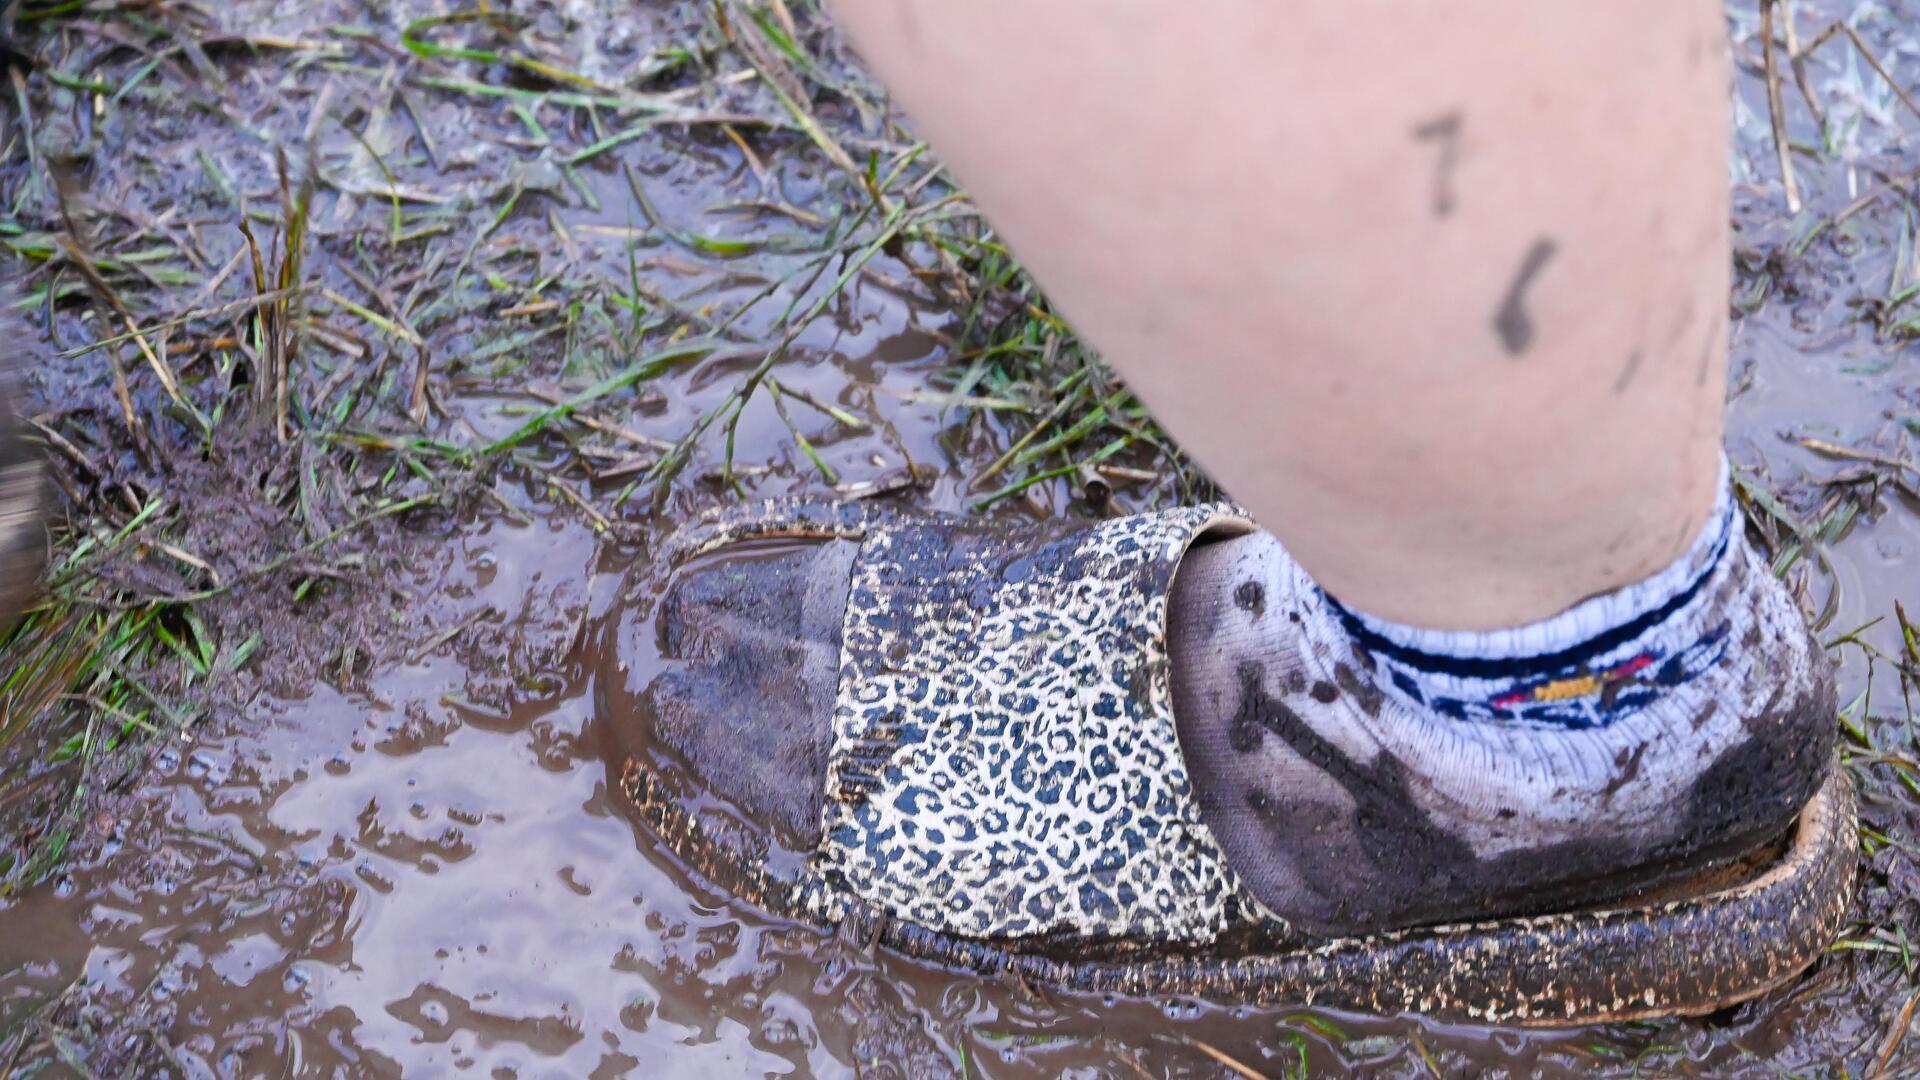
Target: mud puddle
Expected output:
[399,854]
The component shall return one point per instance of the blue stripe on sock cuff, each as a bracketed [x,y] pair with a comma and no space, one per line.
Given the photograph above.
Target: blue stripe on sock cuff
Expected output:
[1527,667]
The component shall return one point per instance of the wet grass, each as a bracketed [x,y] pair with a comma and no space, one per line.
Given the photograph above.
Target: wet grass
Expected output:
[260,343]
[239,340]
[246,396]
[1879,739]
[102,671]
[1798,258]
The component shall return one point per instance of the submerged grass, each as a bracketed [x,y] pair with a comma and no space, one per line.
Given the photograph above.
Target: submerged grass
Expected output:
[261,348]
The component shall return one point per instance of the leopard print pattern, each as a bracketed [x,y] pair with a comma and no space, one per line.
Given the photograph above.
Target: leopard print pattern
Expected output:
[1004,760]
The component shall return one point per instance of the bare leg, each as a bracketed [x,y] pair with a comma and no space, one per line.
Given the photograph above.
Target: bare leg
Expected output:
[1438,291]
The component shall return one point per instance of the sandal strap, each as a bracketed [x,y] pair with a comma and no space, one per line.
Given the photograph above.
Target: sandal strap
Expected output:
[1004,760]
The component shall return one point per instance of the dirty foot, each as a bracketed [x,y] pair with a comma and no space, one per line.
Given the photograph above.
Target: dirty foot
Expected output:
[968,732]
[1356,782]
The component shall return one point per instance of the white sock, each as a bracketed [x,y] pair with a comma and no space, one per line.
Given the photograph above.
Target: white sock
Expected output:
[1363,775]
[1590,666]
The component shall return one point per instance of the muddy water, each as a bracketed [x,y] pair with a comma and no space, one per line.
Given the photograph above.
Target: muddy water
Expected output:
[418,868]
[426,874]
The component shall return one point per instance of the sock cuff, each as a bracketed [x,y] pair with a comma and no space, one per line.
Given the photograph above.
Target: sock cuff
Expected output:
[1588,666]
[1583,629]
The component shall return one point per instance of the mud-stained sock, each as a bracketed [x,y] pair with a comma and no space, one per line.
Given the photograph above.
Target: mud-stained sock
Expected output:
[1597,662]
[1362,775]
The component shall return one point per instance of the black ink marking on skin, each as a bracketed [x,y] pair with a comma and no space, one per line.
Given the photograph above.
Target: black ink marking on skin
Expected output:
[1512,322]
[1251,598]
[1444,130]
[1627,373]
[1324,693]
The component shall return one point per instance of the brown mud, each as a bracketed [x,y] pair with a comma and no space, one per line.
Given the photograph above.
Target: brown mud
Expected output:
[370,832]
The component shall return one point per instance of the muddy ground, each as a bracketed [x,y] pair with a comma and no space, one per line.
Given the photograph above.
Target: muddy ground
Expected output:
[372,343]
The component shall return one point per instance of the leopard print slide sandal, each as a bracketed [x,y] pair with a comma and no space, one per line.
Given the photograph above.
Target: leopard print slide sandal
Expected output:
[955,736]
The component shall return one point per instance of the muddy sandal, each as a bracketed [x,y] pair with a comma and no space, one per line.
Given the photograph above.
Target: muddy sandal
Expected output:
[1004,789]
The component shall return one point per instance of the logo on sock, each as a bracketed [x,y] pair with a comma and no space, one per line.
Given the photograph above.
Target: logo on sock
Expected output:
[1575,698]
